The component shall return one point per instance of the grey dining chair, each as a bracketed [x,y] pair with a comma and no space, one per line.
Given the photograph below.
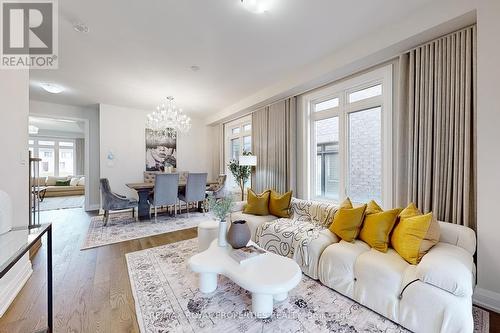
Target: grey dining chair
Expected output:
[218,190]
[195,190]
[111,201]
[165,192]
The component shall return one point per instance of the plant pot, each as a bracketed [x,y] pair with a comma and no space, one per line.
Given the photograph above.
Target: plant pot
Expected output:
[239,234]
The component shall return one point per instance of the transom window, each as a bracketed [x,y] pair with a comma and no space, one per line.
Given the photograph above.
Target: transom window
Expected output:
[350,139]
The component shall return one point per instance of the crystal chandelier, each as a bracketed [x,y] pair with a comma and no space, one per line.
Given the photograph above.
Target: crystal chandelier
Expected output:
[167,120]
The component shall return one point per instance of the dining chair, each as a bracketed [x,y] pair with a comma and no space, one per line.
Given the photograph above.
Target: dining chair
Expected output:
[218,190]
[112,201]
[195,190]
[165,192]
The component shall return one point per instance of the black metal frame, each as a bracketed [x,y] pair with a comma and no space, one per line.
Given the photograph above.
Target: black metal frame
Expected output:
[5,268]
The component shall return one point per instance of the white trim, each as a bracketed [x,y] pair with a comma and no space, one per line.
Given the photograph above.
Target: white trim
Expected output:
[487,299]
[14,286]
[93,207]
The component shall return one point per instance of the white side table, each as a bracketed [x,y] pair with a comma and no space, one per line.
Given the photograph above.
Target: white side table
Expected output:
[269,277]
[207,232]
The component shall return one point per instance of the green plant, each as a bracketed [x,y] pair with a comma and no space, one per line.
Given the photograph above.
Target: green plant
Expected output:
[220,207]
[241,173]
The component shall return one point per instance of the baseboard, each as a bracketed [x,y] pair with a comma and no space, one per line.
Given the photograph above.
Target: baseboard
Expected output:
[487,299]
[14,286]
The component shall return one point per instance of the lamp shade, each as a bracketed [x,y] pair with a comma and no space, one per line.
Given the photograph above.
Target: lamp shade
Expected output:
[248,160]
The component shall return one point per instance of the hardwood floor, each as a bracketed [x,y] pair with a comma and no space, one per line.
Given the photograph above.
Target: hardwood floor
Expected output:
[91,288]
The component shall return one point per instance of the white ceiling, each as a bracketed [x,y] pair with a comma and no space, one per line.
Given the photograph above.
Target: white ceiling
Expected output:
[57,125]
[140,51]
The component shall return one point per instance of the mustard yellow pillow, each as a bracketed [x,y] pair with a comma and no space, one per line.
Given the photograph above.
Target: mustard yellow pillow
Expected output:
[410,211]
[377,227]
[373,208]
[414,236]
[347,222]
[346,203]
[257,204]
[279,204]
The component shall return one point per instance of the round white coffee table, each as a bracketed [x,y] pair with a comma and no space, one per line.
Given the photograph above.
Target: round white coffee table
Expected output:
[269,277]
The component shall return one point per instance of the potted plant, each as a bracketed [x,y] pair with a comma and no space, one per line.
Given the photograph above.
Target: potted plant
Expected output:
[241,173]
[221,208]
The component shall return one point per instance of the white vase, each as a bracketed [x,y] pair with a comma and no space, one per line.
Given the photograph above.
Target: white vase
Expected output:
[222,233]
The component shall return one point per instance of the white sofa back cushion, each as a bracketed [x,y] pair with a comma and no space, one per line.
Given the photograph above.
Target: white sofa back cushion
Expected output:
[318,213]
[458,235]
[81,181]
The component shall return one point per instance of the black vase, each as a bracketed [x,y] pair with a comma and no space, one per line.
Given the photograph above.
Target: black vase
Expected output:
[239,234]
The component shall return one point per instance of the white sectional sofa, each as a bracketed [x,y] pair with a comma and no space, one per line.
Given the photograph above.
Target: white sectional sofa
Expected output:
[433,296]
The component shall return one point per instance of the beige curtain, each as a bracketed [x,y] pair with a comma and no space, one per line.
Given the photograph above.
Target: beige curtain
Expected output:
[80,157]
[216,150]
[274,144]
[437,88]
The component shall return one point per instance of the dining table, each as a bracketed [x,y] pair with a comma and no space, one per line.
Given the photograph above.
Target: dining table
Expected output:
[144,189]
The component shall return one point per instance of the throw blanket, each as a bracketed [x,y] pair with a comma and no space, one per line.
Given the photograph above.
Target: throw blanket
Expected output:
[288,238]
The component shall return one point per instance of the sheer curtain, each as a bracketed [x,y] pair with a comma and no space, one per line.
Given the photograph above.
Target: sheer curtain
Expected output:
[437,107]
[274,144]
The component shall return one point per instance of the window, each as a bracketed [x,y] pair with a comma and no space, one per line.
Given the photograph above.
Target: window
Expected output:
[350,146]
[238,138]
[58,156]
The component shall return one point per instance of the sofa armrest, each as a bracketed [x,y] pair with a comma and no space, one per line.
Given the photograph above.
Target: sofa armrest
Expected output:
[458,235]
[448,267]
[238,206]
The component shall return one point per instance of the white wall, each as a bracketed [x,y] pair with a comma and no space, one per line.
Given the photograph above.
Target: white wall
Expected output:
[14,92]
[488,156]
[91,115]
[123,134]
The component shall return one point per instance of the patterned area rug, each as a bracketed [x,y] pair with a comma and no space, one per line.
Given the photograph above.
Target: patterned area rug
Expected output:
[122,227]
[167,300]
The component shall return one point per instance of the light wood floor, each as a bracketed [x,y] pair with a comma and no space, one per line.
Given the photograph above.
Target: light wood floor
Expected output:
[91,288]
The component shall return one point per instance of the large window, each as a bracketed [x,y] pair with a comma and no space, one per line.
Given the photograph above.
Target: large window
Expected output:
[238,138]
[350,145]
[58,156]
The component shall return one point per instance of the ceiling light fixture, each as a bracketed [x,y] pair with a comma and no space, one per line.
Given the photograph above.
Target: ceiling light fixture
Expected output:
[167,120]
[52,88]
[81,27]
[257,6]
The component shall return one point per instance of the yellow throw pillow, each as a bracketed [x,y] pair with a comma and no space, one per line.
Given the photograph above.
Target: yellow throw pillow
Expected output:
[346,203]
[373,208]
[279,204]
[414,236]
[377,227]
[257,204]
[347,222]
[410,211]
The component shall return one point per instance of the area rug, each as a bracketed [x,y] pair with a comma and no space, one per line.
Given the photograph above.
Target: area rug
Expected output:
[122,227]
[53,203]
[167,300]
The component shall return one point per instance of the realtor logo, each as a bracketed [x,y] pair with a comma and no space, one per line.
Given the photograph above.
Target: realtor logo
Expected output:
[29,34]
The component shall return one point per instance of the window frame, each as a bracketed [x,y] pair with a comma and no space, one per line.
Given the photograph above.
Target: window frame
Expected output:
[56,149]
[341,90]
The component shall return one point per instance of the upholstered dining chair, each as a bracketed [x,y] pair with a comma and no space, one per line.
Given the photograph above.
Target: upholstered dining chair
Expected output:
[112,201]
[165,192]
[195,190]
[218,190]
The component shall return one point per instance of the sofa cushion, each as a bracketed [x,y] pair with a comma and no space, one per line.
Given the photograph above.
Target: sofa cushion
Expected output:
[448,267]
[51,180]
[74,181]
[377,227]
[379,281]
[458,235]
[347,222]
[336,265]
[253,221]
[81,181]
[319,213]
[279,204]
[257,204]
[65,182]
[314,251]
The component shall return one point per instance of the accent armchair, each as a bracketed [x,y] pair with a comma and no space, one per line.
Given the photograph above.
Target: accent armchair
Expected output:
[112,201]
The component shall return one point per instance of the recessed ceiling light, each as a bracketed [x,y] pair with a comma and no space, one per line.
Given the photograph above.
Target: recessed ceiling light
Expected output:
[195,68]
[81,27]
[52,88]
